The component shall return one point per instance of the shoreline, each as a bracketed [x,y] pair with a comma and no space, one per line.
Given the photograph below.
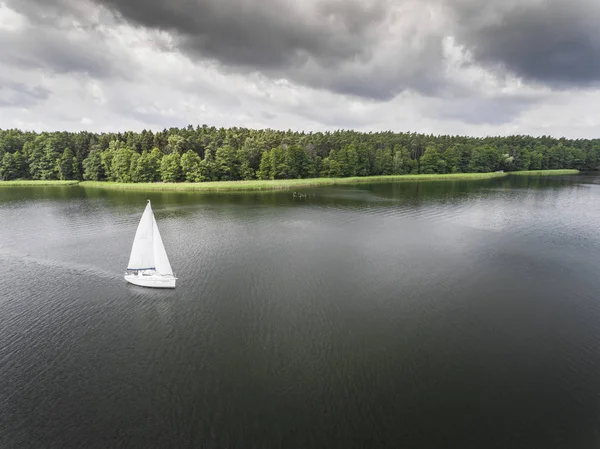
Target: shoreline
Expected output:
[37,183]
[279,184]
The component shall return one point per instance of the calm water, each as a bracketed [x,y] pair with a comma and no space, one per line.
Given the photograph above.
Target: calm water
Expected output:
[449,314]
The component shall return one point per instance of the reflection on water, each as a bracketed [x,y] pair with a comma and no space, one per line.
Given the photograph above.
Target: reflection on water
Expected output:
[431,314]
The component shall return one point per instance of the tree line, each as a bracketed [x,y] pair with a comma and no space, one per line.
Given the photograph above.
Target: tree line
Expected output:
[203,153]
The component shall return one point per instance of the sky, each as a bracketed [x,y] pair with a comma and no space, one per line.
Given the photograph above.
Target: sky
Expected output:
[459,67]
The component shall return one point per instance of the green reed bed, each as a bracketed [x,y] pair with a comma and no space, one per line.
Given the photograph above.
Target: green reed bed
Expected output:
[227,186]
[545,172]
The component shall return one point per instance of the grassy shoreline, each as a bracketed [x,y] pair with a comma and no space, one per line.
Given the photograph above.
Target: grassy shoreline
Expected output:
[278,184]
[32,183]
[545,172]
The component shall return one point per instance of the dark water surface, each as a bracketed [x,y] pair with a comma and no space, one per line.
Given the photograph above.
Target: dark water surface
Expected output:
[407,315]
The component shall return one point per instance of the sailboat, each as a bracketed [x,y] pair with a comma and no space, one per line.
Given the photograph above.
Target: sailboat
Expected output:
[148,263]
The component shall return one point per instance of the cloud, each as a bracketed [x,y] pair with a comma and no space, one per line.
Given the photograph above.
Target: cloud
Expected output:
[493,110]
[436,66]
[372,49]
[43,36]
[14,94]
[379,48]
[54,52]
[270,33]
[552,42]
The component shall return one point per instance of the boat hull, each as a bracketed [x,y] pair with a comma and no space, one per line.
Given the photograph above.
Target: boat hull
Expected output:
[151,281]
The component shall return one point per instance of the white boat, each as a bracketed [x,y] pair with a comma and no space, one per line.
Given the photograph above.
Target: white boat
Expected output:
[148,263]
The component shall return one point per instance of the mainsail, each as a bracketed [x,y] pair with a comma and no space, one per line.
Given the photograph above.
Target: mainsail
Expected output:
[148,251]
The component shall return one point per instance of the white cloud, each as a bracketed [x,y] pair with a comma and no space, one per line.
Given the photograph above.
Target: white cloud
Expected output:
[11,20]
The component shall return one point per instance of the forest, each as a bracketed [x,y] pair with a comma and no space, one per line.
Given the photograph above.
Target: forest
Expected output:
[203,153]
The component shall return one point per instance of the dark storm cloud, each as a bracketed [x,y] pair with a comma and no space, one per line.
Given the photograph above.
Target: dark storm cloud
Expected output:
[350,46]
[331,44]
[370,49]
[554,42]
[58,38]
[548,41]
[267,33]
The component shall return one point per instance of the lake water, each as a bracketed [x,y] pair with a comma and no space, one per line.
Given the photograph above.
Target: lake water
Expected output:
[406,315]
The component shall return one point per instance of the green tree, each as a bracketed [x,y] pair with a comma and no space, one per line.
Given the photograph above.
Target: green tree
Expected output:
[325,168]
[402,162]
[20,164]
[297,163]
[12,140]
[121,166]
[49,162]
[207,168]
[384,162]
[592,159]
[365,159]
[43,157]
[331,167]
[522,159]
[146,167]
[146,140]
[264,171]
[77,168]
[555,157]
[347,159]
[11,166]
[246,171]
[154,161]
[452,156]
[176,144]
[66,164]
[279,168]
[579,158]
[252,151]
[227,163]
[244,156]
[537,160]
[170,168]
[540,157]
[190,166]
[484,159]
[107,158]
[432,161]
[507,162]
[93,169]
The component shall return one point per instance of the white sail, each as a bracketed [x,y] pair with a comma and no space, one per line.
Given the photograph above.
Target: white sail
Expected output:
[148,253]
[142,251]
[160,255]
